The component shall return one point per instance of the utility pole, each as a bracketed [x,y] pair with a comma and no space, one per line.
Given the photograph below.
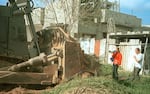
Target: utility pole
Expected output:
[110,28]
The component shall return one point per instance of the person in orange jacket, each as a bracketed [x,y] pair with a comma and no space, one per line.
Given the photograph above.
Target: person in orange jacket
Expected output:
[116,59]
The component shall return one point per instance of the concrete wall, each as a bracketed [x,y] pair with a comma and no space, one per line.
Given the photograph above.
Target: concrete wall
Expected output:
[98,23]
[120,18]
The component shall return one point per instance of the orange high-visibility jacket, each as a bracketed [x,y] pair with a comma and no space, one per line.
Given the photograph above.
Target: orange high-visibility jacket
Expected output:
[117,56]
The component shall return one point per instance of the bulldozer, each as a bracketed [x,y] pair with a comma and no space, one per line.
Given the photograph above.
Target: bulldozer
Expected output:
[46,57]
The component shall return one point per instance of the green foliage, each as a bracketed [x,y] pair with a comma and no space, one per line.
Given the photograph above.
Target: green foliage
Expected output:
[105,70]
[104,84]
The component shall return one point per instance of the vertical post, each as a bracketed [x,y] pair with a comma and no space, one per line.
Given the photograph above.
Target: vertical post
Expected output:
[107,48]
[28,11]
[97,48]
[143,61]
[119,5]
[33,32]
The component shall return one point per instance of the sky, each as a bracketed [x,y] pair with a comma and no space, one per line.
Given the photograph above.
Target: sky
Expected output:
[139,8]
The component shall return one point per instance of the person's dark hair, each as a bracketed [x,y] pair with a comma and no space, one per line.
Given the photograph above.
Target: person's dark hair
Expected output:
[138,49]
[118,49]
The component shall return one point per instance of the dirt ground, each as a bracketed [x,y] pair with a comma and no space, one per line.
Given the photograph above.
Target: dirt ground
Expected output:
[103,84]
[10,89]
[20,90]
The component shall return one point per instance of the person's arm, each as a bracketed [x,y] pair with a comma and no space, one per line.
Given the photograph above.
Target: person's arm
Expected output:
[138,59]
[114,54]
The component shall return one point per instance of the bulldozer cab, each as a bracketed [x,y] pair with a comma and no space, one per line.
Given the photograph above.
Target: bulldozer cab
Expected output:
[15,40]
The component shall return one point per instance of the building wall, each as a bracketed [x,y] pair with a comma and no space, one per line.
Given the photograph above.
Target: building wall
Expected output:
[120,18]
